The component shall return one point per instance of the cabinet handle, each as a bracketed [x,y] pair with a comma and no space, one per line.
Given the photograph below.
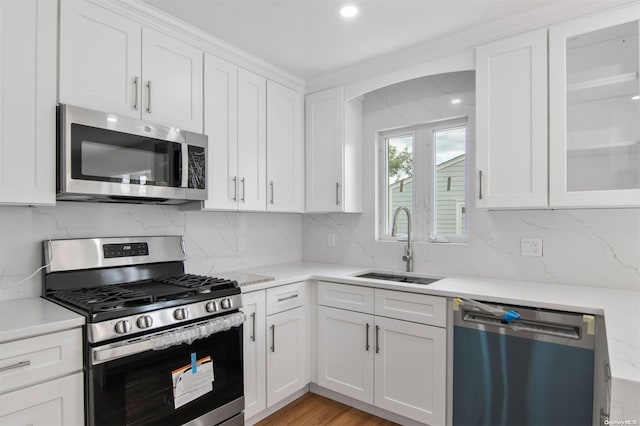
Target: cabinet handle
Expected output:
[377,339]
[235,188]
[366,346]
[337,193]
[480,184]
[273,338]
[16,365]
[253,327]
[149,96]
[293,296]
[243,189]
[135,93]
[272,192]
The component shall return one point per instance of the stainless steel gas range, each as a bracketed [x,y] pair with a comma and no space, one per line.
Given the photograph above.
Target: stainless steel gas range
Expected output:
[161,346]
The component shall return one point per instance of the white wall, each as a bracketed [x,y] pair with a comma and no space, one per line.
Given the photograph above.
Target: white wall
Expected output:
[591,247]
[211,237]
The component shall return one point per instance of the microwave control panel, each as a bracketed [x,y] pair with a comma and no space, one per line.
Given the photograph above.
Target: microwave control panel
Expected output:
[125,250]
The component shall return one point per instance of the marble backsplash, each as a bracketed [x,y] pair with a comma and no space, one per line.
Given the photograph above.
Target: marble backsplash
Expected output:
[597,248]
[211,237]
[591,247]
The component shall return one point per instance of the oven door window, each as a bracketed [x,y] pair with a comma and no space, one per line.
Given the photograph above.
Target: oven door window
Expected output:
[138,389]
[111,156]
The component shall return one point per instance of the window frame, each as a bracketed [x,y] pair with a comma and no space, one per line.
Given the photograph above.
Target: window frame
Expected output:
[383,232]
[424,167]
[450,125]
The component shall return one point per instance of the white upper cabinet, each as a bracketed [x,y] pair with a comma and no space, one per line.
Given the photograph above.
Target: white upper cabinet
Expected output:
[252,141]
[28,34]
[595,110]
[511,147]
[102,59]
[333,152]
[324,127]
[172,81]
[285,149]
[221,125]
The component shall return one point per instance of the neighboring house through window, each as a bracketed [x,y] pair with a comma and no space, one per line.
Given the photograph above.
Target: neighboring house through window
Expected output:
[423,168]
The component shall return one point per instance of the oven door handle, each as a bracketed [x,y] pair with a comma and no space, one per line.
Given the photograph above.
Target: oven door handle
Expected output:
[165,339]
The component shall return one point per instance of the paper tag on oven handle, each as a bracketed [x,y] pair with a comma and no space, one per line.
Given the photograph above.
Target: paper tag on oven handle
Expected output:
[188,384]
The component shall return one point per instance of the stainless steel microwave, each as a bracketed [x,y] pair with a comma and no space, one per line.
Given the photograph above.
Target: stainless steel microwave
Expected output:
[107,157]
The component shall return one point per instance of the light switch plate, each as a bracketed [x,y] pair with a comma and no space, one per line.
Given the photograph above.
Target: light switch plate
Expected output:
[331,240]
[531,246]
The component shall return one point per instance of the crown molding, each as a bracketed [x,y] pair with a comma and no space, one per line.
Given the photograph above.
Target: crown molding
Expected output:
[441,48]
[157,19]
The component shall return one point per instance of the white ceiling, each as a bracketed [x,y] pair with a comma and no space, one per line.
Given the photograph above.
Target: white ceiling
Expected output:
[309,39]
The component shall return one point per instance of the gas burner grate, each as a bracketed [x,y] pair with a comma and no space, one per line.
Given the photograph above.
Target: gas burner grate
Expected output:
[104,299]
[202,283]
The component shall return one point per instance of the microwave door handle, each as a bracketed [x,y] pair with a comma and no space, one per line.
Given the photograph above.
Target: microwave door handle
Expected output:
[184,167]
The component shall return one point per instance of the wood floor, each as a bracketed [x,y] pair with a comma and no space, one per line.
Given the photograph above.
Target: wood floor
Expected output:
[311,409]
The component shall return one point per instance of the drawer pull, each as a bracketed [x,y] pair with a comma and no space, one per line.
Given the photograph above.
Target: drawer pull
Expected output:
[16,365]
[282,299]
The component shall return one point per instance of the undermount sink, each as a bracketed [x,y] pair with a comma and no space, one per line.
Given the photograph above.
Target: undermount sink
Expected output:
[399,278]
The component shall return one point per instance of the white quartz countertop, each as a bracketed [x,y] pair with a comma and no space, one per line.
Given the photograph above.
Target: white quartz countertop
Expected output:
[621,308]
[24,318]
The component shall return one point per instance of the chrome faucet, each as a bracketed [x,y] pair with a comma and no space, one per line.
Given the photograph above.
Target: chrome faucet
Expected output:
[408,252]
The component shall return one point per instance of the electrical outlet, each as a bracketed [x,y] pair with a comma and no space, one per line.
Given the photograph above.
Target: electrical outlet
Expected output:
[531,246]
[242,243]
[331,240]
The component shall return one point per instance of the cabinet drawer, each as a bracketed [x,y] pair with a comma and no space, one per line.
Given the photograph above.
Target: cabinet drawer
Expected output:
[27,361]
[411,307]
[285,297]
[345,296]
[57,402]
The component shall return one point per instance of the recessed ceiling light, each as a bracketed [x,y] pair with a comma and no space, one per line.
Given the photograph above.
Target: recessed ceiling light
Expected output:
[635,98]
[455,101]
[348,11]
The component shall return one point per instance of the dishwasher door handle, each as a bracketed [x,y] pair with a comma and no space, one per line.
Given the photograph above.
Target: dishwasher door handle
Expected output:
[557,330]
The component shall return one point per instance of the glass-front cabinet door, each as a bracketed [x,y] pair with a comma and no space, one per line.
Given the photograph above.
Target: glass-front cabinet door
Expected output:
[594,106]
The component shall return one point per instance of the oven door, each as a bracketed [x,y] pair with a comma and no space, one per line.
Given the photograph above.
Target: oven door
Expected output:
[147,387]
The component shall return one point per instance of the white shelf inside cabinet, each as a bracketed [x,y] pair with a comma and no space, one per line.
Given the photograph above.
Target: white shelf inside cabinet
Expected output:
[625,84]
[608,148]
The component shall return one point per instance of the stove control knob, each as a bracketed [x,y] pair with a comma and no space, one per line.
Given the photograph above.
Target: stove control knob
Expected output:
[145,321]
[181,314]
[226,303]
[211,307]
[123,327]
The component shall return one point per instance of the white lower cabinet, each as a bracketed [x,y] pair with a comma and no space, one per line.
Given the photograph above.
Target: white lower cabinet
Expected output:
[275,346]
[41,380]
[255,373]
[345,352]
[286,354]
[410,370]
[53,403]
[396,365]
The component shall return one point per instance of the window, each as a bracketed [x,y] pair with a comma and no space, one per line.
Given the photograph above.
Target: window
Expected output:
[423,168]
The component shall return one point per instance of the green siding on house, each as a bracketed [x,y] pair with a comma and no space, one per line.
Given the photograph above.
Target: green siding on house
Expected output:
[448,221]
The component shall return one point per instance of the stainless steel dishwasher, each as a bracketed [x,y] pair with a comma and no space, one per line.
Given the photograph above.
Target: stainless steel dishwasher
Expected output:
[540,367]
